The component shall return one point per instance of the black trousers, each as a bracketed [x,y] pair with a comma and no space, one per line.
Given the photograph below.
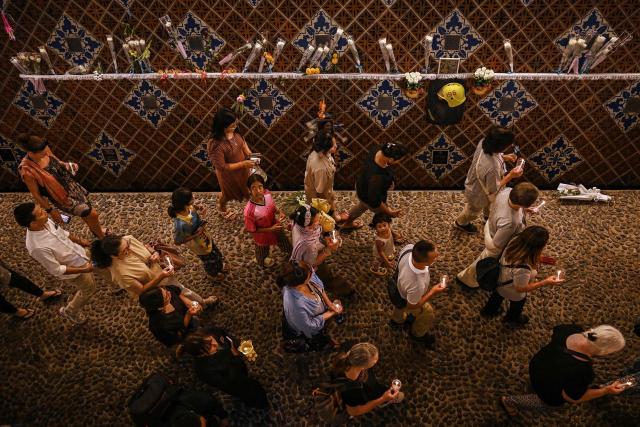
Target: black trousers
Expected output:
[495,301]
[20,282]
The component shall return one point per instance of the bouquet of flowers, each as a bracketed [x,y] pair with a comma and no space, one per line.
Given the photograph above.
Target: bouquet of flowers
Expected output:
[238,105]
[412,84]
[483,77]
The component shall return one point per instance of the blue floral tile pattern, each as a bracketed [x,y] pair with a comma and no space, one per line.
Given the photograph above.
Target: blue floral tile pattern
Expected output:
[43,107]
[384,103]
[73,43]
[440,157]
[593,21]
[616,106]
[201,155]
[150,103]
[10,155]
[556,158]
[507,103]
[266,103]
[254,3]
[110,154]
[341,157]
[321,25]
[455,38]
[200,42]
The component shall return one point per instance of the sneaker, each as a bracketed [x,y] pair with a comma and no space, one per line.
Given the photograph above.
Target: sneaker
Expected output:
[521,320]
[78,319]
[469,228]
[428,340]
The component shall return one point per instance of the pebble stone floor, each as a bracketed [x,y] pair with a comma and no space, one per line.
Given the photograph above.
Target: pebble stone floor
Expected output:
[56,374]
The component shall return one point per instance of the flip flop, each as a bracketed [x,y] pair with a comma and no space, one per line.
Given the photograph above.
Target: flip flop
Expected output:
[56,293]
[380,271]
[510,410]
[356,225]
[30,313]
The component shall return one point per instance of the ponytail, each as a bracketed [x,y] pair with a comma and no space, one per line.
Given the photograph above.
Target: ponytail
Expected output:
[360,355]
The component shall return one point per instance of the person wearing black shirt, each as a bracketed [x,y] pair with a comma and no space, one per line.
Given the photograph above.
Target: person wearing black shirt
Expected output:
[219,364]
[374,182]
[193,408]
[561,371]
[171,314]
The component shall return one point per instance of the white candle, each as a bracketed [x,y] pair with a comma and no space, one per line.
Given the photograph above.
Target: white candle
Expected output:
[508,49]
[385,53]
[392,57]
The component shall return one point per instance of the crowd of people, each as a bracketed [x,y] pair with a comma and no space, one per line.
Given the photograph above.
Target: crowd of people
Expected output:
[560,372]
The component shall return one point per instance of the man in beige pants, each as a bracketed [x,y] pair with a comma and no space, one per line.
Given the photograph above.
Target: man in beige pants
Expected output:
[61,254]
[507,218]
[413,286]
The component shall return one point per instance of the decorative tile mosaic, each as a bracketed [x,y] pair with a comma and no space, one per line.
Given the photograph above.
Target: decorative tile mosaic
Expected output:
[202,156]
[150,102]
[556,158]
[43,107]
[73,43]
[593,21]
[507,103]
[384,103]
[527,2]
[341,157]
[624,107]
[454,37]
[254,3]
[10,155]
[200,42]
[440,156]
[110,154]
[266,103]
[321,30]
[388,2]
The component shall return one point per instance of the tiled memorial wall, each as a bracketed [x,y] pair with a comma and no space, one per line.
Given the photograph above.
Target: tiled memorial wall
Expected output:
[149,135]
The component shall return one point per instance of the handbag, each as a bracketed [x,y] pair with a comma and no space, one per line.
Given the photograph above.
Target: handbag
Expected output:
[392,286]
[171,252]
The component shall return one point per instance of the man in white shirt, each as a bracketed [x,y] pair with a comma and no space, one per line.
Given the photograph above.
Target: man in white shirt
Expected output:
[507,218]
[413,287]
[61,254]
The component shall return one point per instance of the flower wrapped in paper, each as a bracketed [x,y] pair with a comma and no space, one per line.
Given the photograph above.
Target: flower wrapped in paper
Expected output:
[580,192]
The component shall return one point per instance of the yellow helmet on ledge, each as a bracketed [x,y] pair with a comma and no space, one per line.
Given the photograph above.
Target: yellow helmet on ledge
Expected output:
[453,93]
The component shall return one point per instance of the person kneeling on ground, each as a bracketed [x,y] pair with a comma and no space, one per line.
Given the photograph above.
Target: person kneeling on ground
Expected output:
[562,370]
[219,364]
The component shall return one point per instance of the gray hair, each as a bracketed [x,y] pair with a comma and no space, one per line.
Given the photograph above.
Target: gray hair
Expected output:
[604,339]
[361,354]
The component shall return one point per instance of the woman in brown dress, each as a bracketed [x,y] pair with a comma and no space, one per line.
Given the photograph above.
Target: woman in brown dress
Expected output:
[227,151]
[52,185]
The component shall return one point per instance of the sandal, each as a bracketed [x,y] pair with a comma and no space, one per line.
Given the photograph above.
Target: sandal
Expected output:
[55,294]
[29,313]
[378,271]
[355,225]
[510,410]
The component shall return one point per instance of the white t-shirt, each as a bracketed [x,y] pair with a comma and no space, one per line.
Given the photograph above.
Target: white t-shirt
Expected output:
[412,283]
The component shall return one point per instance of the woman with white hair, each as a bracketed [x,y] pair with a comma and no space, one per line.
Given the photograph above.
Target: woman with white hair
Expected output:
[562,370]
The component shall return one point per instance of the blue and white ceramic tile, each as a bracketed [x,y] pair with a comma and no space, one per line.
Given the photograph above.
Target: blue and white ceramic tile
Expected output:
[110,154]
[616,106]
[388,2]
[387,89]
[267,116]
[201,154]
[43,107]
[341,157]
[593,21]
[87,48]
[254,3]
[455,25]
[154,115]
[10,155]
[440,156]
[125,3]
[321,24]
[555,158]
[192,26]
[523,103]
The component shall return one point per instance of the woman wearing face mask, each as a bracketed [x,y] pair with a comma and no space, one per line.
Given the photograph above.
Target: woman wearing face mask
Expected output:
[189,229]
[227,150]
[562,370]
[219,363]
[136,268]
[52,185]
[260,220]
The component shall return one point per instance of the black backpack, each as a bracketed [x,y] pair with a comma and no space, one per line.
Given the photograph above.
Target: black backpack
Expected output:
[488,272]
[151,400]
[392,286]
[328,403]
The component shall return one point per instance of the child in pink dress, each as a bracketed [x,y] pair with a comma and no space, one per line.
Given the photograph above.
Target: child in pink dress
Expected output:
[260,220]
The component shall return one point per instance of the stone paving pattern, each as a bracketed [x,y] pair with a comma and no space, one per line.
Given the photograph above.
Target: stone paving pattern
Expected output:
[56,374]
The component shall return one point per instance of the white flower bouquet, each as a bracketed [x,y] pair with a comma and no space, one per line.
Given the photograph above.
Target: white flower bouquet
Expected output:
[413,80]
[483,76]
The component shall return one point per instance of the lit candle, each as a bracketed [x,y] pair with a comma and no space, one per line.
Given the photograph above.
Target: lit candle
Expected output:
[396,384]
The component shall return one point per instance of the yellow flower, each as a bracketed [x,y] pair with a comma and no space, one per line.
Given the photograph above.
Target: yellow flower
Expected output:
[334,60]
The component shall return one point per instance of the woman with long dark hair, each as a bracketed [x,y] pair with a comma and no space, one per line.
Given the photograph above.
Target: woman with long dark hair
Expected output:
[517,274]
[189,229]
[52,185]
[228,150]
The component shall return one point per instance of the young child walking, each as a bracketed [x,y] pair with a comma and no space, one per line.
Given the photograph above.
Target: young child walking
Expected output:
[260,220]
[384,251]
[189,229]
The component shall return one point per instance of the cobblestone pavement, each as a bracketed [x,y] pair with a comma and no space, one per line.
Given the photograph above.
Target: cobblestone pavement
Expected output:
[55,374]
